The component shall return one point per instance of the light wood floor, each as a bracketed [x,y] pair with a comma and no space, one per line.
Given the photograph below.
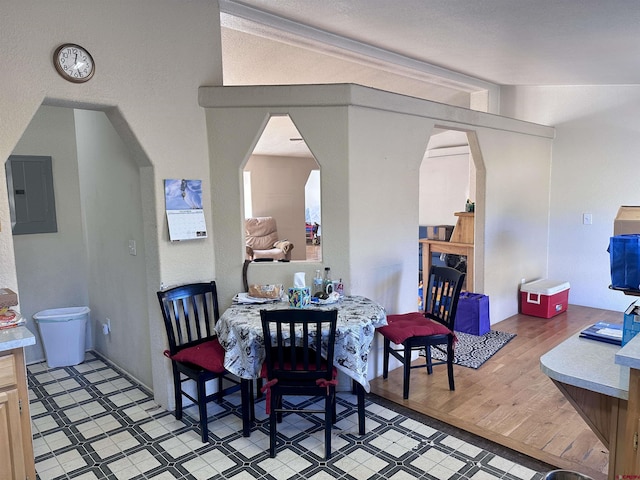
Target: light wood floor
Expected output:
[313,253]
[508,400]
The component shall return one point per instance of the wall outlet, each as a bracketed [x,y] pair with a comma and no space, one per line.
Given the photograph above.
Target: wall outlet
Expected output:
[106,327]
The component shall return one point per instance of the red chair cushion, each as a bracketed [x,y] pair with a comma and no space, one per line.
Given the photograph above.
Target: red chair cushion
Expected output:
[208,355]
[406,325]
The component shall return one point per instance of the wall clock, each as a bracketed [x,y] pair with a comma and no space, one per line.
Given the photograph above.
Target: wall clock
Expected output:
[73,63]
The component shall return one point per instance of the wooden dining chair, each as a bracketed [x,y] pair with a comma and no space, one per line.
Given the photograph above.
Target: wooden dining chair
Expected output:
[303,367]
[189,313]
[433,328]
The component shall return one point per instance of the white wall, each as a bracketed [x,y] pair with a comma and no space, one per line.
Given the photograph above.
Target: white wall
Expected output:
[595,170]
[385,153]
[447,178]
[151,103]
[444,187]
[52,267]
[278,190]
[112,213]
[515,216]
[233,134]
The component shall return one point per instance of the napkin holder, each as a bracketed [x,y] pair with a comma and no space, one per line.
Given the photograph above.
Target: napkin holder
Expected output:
[299,297]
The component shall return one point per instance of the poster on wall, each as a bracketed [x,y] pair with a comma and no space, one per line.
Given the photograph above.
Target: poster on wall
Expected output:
[183,203]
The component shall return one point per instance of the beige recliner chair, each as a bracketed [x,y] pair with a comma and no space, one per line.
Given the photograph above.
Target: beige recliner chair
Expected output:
[262,242]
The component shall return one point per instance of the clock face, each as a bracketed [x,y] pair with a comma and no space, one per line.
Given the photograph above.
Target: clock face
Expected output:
[74,63]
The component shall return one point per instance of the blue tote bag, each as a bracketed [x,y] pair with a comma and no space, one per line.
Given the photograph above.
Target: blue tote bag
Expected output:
[624,253]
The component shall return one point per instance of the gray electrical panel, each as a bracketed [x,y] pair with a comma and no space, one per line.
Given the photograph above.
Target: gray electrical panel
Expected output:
[31,199]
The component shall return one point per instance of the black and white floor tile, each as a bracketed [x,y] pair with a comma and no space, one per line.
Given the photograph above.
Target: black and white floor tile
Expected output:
[91,421]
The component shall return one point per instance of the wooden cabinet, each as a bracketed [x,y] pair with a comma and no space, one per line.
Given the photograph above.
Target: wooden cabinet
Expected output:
[461,243]
[16,447]
[464,231]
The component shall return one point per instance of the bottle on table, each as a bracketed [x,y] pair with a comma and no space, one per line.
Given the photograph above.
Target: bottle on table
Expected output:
[317,284]
[327,283]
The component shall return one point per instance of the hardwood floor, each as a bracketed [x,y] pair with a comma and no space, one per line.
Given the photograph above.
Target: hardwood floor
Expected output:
[508,400]
[313,253]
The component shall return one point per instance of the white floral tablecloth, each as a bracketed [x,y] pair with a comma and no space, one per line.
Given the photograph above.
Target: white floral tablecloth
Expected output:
[239,331]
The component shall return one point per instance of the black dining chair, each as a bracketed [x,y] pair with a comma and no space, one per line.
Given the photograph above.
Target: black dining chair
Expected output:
[303,367]
[433,328]
[189,313]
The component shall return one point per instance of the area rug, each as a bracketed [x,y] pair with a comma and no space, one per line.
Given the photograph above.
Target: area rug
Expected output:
[473,350]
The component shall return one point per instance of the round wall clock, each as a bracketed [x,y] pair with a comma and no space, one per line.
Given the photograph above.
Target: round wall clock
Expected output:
[73,63]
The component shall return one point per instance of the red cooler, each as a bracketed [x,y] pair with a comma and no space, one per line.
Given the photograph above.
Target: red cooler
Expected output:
[544,298]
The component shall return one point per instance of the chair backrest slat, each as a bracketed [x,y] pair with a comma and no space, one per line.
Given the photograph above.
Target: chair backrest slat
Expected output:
[299,343]
[187,313]
[443,292]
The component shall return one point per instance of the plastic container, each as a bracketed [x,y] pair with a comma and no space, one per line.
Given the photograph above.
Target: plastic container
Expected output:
[565,475]
[63,332]
[544,298]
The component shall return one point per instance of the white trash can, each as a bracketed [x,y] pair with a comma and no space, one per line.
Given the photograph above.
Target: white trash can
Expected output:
[63,333]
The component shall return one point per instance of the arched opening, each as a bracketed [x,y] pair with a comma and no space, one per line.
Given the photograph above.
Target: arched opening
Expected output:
[281,180]
[98,181]
[451,194]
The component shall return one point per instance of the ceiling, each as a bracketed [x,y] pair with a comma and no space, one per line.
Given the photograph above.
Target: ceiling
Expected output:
[441,50]
[506,42]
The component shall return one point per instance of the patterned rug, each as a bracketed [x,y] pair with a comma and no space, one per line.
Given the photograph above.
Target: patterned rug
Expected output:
[473,350]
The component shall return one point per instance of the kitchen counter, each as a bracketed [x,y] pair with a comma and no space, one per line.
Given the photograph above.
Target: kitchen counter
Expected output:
[15,428]
[588,364]
[16,337]
[595,377]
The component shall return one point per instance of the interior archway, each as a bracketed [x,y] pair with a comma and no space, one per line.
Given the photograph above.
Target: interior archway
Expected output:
[452,174]
[98,180]
[281,179]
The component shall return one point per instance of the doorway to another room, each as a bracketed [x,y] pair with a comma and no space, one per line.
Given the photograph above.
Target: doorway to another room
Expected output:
[89,260]
[449,187]
[281,179]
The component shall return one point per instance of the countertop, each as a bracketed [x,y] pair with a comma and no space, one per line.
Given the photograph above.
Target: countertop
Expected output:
[16,337]
[592,365]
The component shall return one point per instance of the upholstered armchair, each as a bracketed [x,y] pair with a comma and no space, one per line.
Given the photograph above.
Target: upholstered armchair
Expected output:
[262,241]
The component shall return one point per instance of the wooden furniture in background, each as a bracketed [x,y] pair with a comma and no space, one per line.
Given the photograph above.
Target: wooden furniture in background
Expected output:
[16,447]
[461,243]
[463,232]
[437,246]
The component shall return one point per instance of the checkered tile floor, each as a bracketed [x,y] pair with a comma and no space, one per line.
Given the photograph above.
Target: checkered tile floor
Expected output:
[91,421]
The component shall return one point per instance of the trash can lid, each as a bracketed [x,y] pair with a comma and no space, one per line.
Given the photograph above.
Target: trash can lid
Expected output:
[61,314]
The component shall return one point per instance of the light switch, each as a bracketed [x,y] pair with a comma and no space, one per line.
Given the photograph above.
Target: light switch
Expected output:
[132,247]
[587,219]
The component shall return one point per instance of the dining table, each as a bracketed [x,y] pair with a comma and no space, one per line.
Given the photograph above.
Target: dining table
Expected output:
[239,331]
